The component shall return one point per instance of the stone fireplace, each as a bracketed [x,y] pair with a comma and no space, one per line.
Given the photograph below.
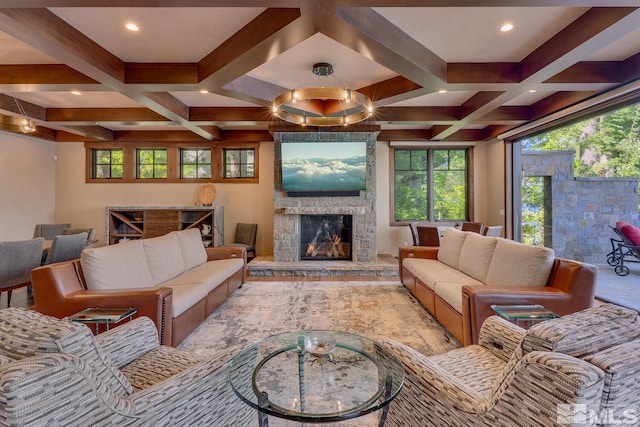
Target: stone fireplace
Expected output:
[325,237]
[290,244]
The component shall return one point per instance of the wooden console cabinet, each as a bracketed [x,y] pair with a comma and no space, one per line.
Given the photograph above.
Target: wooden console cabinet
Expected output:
[125,223]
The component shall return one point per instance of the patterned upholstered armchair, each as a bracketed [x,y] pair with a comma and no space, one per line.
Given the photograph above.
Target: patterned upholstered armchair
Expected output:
[580,369]
[55,372]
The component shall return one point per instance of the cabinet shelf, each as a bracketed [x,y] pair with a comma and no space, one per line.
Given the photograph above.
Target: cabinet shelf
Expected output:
[140,223]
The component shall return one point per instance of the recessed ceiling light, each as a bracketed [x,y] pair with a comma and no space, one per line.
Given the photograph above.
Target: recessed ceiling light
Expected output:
[442,91]
[131,26]
[506,27]
[532,90]
[76,92]
[204,91]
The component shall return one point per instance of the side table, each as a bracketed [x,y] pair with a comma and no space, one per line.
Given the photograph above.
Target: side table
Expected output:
[524,313]
[104,316]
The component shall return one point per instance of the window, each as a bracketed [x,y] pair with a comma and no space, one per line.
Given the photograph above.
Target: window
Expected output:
[195,163]
[107,164]
[429,184]
[152,163]
[239,163]
[172,162]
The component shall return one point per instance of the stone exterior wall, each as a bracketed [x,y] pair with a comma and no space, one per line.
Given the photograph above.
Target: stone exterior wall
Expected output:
[582,208]
[286,246]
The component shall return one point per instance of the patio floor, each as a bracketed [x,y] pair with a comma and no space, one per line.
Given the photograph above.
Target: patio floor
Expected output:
[621,290]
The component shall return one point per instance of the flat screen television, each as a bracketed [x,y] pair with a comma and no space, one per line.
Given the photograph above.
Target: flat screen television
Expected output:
[323,168]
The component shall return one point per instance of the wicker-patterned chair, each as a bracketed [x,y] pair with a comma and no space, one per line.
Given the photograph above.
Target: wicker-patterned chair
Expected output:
[580,369]
[55,372]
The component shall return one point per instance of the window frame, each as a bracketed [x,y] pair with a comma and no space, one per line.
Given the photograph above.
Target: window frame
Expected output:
[94,164]
[469,209]
[198,150]
[173,161]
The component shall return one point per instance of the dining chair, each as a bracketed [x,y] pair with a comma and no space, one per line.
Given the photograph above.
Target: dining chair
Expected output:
[49,231]
[66,247]
[475,227]
[17,259]
[428,235]
[245,236]
[91,234]
[493,231]
[414,234]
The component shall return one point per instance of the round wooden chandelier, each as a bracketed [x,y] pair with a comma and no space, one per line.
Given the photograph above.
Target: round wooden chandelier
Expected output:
[323,106]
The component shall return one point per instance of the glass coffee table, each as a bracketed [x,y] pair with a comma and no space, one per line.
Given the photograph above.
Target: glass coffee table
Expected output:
[524,315]
[316,376]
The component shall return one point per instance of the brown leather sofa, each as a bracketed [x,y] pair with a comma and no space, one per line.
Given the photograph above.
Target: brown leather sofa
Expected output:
[461,302]
[61,290]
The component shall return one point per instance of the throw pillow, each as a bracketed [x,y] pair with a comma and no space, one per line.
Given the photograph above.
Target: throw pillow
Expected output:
[193,251]
[516,264]
[164,257]
[450,247]
[120,266]
[476,256]
[631,231]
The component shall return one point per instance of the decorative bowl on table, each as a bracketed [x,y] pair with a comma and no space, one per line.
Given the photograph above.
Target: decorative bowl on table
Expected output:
[206,243]
[320,345]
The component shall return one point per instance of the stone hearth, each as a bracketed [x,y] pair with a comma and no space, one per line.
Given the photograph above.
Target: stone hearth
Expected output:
[286,230]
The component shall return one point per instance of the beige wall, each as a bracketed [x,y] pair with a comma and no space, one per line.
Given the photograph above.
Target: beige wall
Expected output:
[27,184]
[84,204]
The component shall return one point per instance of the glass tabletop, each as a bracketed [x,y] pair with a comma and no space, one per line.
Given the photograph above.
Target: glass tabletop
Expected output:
[524,312]
[316,376]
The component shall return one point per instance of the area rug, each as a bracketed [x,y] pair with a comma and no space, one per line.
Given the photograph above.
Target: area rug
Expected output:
[375,310]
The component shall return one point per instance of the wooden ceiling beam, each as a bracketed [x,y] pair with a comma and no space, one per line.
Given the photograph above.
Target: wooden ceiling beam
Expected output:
[389,88]
[590,72]
[588,33]
[94,133]
[253,45]
[404,135]
[506,114]
[368,33]
[494,72]
[296,3]
[129,115]
[8,103]
[416,114]
[30,74]
[556,102]
[476,102]
[161,73]
[229,114]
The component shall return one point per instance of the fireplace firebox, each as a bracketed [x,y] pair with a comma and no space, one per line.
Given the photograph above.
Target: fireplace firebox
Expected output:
[325,237]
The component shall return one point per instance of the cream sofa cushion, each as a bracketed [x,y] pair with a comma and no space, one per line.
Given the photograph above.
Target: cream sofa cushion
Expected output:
[450,247]
[211,274]
[431,271]
[120,266]
[476,256]
[164,257]
[451,292]
[185,296]
[193,251]
[516,264]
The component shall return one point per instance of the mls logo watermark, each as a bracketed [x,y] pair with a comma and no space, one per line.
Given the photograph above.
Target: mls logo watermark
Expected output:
[577,414]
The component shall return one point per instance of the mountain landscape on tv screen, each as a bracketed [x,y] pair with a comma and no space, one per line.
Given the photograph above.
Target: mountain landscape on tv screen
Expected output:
[338,168]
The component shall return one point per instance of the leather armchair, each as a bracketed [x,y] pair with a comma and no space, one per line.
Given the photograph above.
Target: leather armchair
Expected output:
[54,372]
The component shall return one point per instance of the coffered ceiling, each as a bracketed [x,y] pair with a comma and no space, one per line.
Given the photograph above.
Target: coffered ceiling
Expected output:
[202,70]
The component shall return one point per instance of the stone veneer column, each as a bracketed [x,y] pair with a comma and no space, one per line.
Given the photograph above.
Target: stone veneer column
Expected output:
[286,245]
